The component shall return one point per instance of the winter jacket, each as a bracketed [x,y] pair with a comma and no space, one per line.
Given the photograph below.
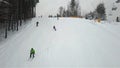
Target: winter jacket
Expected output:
[32,51]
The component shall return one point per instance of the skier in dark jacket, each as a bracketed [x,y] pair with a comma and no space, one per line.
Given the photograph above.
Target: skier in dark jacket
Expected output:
[117,19]
[32,53]
[54,28]
[37,23]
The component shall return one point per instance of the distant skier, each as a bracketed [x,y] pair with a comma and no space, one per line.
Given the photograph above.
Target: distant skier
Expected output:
[32,53]
[117,19]
[54,28]
[37,23]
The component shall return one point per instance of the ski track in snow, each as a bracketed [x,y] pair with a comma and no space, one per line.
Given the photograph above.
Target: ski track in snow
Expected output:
[76,43]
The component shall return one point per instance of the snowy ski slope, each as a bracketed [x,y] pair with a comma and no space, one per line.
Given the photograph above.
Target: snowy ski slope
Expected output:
[76,43]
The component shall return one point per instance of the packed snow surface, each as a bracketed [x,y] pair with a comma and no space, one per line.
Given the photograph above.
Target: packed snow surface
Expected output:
[76,43]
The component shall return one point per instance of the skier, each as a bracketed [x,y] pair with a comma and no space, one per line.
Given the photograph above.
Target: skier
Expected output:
[32,53]
[117,19]
[54,28]
[37,24]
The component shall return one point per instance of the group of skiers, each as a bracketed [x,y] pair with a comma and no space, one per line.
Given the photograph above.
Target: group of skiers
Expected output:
[32,51]
[37,24]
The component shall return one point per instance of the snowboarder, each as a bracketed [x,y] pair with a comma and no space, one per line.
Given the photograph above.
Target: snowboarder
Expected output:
[37,23]
[54,28]
[32,53]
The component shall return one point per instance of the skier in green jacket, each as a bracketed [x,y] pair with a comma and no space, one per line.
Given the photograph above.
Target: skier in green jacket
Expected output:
[32,53]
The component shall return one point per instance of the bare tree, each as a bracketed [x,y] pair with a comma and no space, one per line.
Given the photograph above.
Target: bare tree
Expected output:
[61,9]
